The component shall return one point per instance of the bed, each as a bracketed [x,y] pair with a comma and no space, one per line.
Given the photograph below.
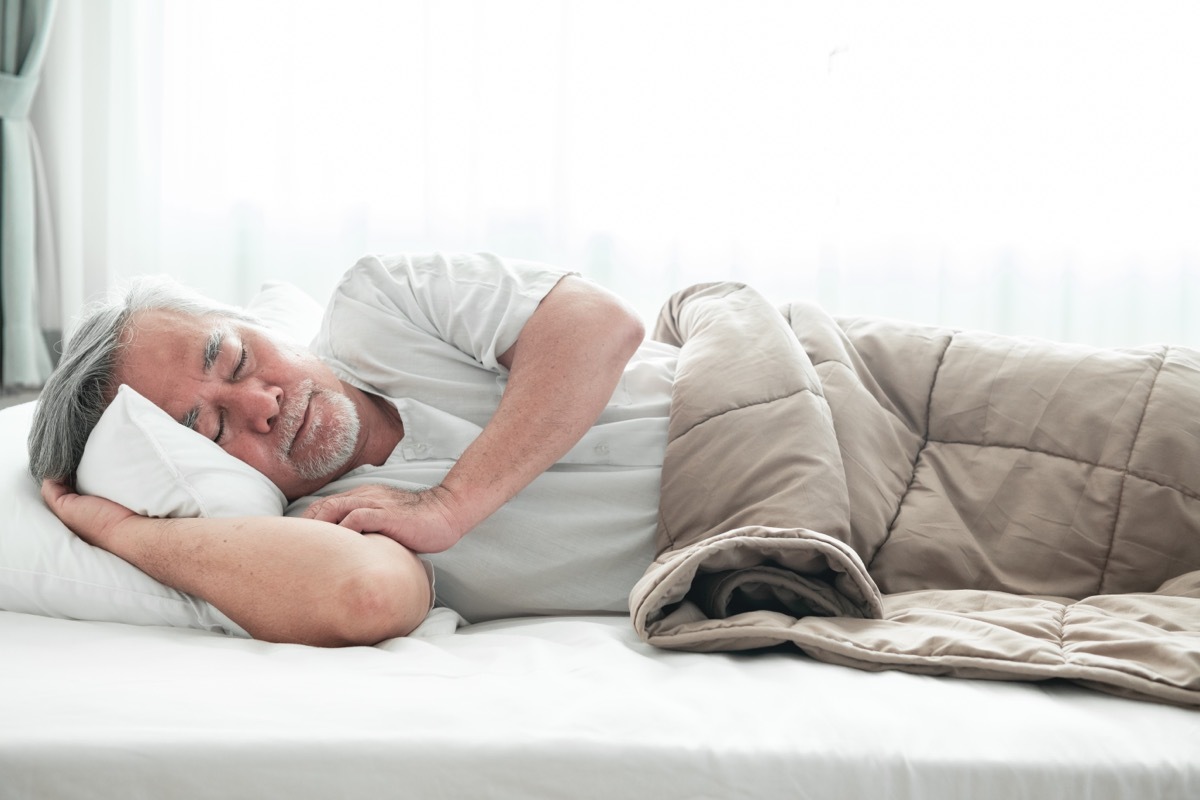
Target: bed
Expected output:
[112,685]
[545,708]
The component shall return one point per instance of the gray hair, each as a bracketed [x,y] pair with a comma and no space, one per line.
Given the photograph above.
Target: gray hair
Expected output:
[81,386]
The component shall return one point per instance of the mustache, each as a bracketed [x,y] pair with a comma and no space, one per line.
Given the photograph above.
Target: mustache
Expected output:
[291,416]
[324,449]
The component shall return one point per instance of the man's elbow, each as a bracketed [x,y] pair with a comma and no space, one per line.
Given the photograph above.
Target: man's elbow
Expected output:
[375,604]
[634,331]
[623,328]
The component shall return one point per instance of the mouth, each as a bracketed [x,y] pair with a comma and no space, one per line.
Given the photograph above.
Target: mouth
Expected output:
[303,425]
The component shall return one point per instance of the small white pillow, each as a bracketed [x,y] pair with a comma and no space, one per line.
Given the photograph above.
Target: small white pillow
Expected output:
[140,457]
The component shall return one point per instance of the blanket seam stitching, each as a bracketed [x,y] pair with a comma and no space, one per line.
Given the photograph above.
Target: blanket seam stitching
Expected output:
[1125,473]
[743,406]
[1062,631]
[891,528]
[1183,490]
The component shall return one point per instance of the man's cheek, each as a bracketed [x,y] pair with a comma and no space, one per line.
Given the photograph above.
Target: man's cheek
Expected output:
[253,457]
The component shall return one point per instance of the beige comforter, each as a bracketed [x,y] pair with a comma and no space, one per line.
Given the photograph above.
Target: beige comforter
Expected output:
[891,496]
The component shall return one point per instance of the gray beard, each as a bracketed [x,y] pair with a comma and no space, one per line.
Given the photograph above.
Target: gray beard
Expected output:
[328,448]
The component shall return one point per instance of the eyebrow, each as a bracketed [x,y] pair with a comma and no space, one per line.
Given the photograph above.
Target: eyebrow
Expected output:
[212,350]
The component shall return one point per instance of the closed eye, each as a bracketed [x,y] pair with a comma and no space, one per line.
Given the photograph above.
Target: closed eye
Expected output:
[237,370]
[220,427]
[241,363]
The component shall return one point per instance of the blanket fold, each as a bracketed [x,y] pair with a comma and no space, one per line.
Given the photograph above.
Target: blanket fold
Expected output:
[894,496]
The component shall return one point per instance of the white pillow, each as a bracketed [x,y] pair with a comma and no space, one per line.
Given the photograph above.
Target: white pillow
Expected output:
[142,458]
[45,569]
[286,309]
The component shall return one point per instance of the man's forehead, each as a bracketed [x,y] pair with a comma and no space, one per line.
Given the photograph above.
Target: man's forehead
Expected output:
[160,325]
[157,321]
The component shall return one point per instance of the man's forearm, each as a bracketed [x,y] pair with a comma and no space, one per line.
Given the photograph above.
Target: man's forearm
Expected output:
[284,579]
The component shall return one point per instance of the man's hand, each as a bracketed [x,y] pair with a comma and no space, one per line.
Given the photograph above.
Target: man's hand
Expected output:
[93,519]
[424,521]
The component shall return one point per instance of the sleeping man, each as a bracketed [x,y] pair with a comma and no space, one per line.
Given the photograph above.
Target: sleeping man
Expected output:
[878,493]
[502,416]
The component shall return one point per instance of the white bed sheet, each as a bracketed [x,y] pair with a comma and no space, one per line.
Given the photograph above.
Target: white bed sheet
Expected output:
[544,708]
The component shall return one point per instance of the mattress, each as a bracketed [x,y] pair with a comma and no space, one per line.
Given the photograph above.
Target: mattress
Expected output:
[544,708]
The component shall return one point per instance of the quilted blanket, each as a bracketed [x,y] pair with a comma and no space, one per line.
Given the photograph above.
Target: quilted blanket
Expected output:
[891,496]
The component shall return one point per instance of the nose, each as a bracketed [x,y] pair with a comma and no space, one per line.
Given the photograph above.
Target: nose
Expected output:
[259,404]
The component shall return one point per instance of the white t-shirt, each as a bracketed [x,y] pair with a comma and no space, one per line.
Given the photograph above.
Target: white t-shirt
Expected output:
[426,332]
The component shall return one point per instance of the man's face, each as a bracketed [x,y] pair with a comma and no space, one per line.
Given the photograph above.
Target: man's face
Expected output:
[266,401]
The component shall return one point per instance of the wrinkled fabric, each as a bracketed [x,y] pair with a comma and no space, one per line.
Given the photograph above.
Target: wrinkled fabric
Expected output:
[892,496]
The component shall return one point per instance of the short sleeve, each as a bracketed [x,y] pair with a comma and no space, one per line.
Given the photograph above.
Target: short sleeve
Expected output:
[478,303]
[431,328]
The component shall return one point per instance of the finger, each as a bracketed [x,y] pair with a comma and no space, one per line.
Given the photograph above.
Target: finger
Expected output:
[363,520]
[53,491]
[333,509]
[322,510]
[323,505]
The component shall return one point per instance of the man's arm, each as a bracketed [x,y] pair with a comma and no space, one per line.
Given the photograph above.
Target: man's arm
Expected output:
[282,579]
[563,369]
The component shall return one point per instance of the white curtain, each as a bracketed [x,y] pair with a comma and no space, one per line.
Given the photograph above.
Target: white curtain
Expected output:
[1026,167]
[25,245]
[98,116]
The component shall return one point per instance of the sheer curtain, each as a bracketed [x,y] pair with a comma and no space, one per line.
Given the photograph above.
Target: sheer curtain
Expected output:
[24,29]
[97,115]
[1023,167]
